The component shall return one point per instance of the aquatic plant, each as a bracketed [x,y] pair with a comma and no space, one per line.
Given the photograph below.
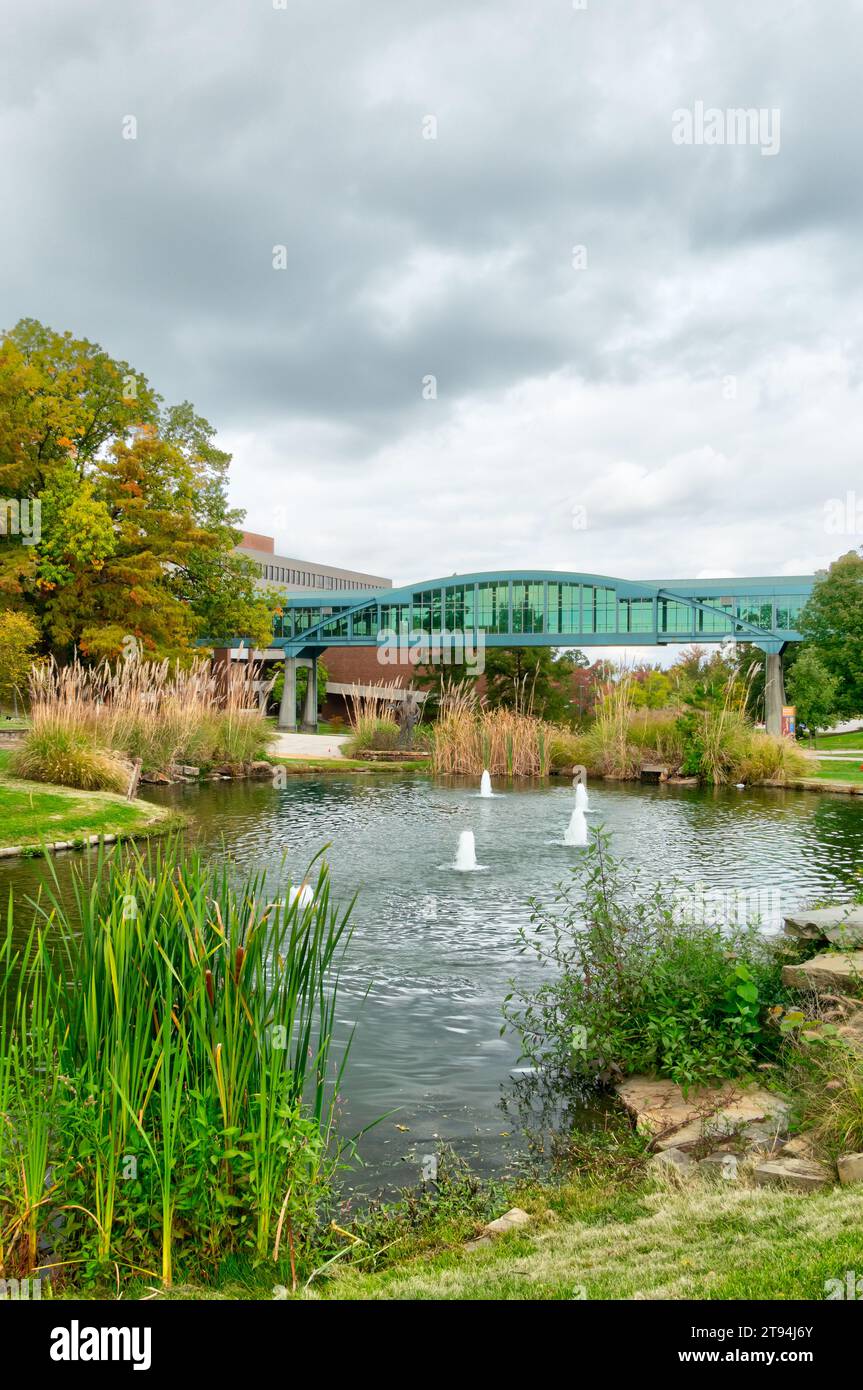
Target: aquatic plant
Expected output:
[168,1073]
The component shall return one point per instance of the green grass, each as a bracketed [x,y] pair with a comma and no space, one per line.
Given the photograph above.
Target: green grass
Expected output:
[828,741]
[599,1240]
[841,771]
[31,812]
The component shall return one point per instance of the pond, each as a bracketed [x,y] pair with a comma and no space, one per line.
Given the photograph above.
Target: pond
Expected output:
[434,950]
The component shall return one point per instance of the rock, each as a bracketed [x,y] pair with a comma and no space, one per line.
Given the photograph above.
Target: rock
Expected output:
[471,1245]
[828,971]
[722,1163]
[189,771]
[510,1221]
[850,1168]
[842,925]
[261,771]
[759,1138]
[672,1160]
[159,779]
[660,1109]
[801,1146]
[802,1174]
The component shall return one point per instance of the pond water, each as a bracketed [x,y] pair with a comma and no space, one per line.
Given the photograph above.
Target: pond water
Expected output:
[434,949]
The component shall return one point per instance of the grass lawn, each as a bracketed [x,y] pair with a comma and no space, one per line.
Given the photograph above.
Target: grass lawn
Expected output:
[840,771]
[829,741]
[32,812]
[347,765]
[596,1240]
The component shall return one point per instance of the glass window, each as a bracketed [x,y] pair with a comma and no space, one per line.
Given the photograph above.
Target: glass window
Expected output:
[528,601]
[635,615]
[493,607]
[675,616]
[564,607]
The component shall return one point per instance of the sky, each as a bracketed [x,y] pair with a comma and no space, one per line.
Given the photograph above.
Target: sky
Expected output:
[471,284]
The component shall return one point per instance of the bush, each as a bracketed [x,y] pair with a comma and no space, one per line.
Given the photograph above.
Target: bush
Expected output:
[69,759]
[371,733]
[637,989]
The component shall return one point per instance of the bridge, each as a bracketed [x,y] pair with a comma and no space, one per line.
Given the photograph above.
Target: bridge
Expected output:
[527,608]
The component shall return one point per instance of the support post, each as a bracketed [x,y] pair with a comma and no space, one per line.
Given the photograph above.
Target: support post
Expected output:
[774,692]
[310,710]
[288,707]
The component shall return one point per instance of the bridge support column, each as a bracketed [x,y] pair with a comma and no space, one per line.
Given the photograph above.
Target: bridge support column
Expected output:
[774,692]
[310,708]
[288,707]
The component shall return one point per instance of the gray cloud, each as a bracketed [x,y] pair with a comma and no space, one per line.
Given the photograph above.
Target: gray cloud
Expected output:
[696,387]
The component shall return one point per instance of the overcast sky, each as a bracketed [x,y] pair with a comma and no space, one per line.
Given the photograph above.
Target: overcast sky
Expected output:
[647,354]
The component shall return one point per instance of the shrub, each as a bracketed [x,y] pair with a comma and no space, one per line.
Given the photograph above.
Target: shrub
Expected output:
[69,759]
[635,988]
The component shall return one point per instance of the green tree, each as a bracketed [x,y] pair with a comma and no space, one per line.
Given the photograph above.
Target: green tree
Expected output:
[19,637]
[832,623]
[532,678]
[813,690]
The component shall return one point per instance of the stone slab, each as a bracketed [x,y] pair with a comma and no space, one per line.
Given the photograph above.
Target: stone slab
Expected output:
[677,1121]
[831,970]
[850,1168]
[801,1174]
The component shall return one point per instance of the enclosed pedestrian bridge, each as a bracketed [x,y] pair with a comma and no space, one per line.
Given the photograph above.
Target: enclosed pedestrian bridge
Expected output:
[548,608]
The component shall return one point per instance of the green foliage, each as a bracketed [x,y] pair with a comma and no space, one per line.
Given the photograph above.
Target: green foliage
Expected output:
[18,639]
[137,536]
[532,679]
[813,690]
[634,988]
[166,1056]
[832,622]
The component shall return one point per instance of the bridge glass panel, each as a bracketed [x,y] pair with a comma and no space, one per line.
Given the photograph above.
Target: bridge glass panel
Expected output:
[635,615]
[675,616]
[395,617]
[493,607]
[460,608]
[365,623]
[598,609]
[715,622]
[757,610]
[564,607]
[528,601]
[788,608]
[305,618]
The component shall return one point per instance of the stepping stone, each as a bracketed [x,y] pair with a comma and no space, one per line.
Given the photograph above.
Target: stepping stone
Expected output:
[801,1146]
[850,1168]
[674,1160]
[802,1174]
[842,925]
[828,971]
[660,1109]
[721,1163]
[510,1221]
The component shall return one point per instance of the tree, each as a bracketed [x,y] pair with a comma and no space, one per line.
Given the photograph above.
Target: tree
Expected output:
[532,678]
[137,537]
[813,690]
[832,623]
[18,640]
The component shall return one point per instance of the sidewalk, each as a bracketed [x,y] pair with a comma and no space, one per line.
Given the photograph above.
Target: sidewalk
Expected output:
[307,745]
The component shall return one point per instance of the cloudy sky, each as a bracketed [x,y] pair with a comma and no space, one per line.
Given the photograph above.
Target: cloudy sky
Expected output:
[515,321]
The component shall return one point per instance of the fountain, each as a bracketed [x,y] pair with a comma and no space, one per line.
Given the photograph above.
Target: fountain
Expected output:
[465,855]
[576,831]
[580,796]
[485,785]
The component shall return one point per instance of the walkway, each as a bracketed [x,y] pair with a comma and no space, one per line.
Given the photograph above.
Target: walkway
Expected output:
[307,745]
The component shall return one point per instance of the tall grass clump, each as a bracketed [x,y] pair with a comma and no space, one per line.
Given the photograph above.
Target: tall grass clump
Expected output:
[371,719]
[69,758]
[168,1073]
[470,737]
[159,713]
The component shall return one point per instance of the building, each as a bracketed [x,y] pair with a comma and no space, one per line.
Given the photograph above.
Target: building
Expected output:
[287,572]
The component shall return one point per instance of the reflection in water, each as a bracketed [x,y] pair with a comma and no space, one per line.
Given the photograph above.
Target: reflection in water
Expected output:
[439,949]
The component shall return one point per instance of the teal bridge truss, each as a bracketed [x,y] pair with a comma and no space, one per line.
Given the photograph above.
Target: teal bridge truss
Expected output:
[522,608]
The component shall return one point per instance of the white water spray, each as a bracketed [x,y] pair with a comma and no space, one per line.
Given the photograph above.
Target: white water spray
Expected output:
[576,831]
[580,796]
[485,785]
[465,855]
